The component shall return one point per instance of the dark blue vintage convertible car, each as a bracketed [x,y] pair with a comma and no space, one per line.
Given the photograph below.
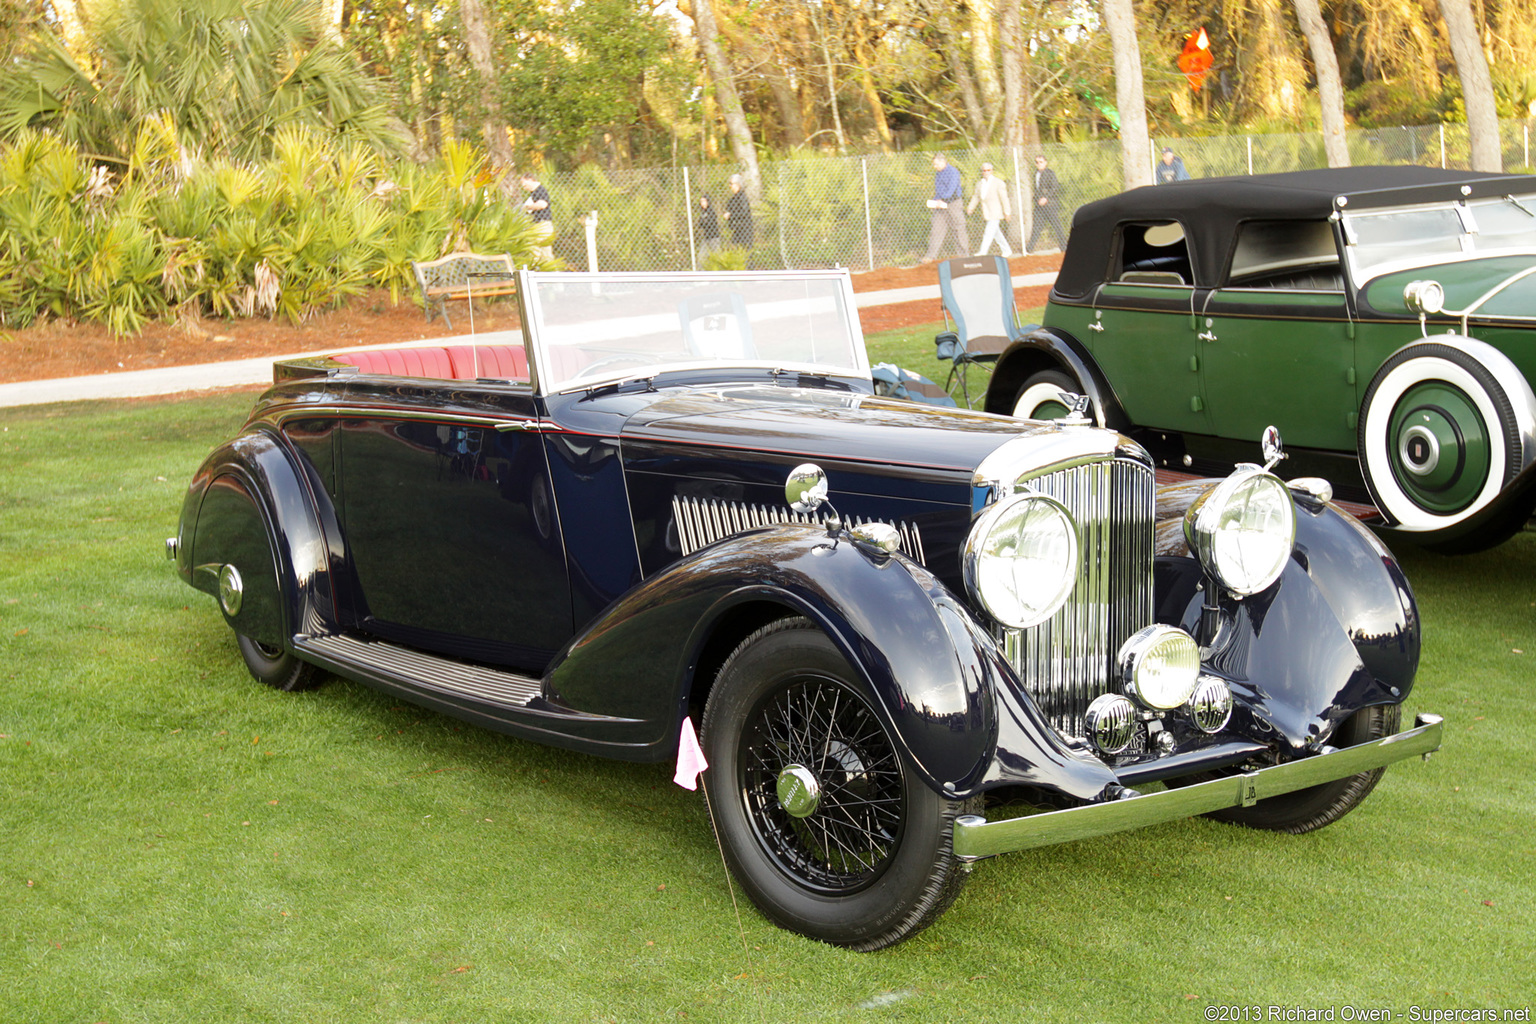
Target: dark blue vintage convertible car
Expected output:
[679,493]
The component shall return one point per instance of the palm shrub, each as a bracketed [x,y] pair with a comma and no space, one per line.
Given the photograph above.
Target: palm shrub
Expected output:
[70,244]
[228,73]
[456,203]
[316,222]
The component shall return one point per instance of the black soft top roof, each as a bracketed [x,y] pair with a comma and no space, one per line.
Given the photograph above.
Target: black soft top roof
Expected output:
[1211,208]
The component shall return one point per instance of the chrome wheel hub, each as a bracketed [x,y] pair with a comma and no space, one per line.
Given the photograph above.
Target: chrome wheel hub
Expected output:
[798,791]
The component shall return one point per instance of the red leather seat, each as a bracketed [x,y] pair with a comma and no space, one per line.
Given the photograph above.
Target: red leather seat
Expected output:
[456,362]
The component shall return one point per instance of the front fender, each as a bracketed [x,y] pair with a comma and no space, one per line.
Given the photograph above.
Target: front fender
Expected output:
[939,680]
[1046,348]
[1339,631]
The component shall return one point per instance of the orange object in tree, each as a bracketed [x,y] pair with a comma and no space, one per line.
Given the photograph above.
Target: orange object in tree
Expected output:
[1195,61]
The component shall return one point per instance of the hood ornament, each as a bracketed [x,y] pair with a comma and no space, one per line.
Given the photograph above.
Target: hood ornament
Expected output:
[1077,410]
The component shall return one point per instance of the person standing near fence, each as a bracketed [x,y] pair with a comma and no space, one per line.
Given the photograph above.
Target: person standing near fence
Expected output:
[946,212]
[707,227]
[738,215]
[1171,167]
[537,208]
[1047,206]
[992,193]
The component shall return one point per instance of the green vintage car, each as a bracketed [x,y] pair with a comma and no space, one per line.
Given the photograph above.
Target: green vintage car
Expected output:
[1384,318]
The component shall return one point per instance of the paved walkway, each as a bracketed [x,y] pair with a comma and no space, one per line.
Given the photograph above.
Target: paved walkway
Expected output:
[171,380]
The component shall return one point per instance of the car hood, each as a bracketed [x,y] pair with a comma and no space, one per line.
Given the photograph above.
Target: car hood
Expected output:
[826,425]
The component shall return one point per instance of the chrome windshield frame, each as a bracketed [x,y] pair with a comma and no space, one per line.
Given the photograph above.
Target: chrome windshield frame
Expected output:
[829,285]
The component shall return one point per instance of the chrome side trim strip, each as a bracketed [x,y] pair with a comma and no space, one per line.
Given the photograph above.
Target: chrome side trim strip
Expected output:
[975,837]
[702,521]
[355,412]
[442,674]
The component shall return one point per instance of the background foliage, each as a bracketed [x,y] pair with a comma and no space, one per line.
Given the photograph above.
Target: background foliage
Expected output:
[620,83]
[227,74]
[246,157]
[315,222]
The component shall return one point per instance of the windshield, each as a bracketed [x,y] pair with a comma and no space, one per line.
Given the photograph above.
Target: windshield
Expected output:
[1386,240]
[589,329]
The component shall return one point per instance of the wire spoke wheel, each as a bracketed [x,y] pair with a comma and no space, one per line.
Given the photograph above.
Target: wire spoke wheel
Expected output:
[824,821]
[827,729]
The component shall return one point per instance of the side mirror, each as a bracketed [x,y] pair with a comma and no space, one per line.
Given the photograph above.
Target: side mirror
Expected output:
[1273,447]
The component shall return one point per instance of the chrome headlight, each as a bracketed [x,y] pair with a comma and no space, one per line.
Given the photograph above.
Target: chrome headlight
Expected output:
[1243,530]
[1159,667]
[1021,559]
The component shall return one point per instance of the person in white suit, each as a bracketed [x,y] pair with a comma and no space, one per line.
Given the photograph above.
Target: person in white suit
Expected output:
[992,193]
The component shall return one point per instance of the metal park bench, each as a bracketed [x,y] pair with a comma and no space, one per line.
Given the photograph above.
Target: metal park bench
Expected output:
[462,275]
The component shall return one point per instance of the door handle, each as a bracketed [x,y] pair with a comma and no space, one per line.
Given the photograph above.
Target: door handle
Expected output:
[534,425]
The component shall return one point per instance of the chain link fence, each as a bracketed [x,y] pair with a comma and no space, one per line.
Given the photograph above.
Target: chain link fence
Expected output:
[867,212]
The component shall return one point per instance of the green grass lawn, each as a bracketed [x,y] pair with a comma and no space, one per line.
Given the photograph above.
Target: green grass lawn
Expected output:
[179,843]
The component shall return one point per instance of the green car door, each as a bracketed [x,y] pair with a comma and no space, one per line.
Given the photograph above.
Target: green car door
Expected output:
[1142,337]
[1282,358]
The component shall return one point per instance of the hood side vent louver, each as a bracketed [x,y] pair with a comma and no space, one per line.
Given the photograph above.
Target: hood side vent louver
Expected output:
[702,521]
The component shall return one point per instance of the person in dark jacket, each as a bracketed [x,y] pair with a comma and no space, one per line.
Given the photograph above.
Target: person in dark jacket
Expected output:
[706,227]
[537,208]
[1047,206]
[1170,168]
[738,215]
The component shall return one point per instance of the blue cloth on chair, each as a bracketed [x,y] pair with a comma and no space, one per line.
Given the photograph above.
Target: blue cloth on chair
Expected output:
[892,381]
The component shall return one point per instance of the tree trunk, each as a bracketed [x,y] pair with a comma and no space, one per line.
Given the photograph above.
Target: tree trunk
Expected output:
[1012,43]
[1135,146]
[725,93]
[871,94]
[764,58]
[982,28]
[954,53]
[1330,91]
[1476,84]
[477,38]
[829,68]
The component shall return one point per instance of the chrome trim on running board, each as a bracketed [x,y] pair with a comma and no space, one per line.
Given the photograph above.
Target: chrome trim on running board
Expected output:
[975,837]
[441,674]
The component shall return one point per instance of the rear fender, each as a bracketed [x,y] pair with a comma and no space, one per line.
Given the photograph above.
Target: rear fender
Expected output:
[248,507]
[1046,348]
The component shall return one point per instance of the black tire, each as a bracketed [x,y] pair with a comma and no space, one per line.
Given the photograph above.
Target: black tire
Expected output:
[1036,399]
[1439,438]
[1307,810]
[278,668]
[871,863]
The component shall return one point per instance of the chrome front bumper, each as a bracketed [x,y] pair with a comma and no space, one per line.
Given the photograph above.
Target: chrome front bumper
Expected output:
[976,837]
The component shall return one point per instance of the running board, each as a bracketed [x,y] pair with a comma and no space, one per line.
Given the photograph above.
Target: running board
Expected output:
[402,665]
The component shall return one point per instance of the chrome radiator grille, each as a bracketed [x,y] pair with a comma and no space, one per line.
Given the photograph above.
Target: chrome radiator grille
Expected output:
[702,521]
[1068,660]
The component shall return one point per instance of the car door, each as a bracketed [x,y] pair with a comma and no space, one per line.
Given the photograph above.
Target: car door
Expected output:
[1141,329]
[1277,342]
[451,527]
[1280,358]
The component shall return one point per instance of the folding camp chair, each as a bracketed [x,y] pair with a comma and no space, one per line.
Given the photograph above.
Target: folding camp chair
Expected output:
[978,298]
